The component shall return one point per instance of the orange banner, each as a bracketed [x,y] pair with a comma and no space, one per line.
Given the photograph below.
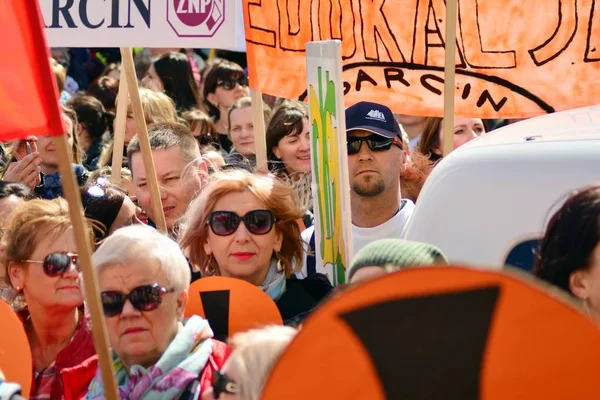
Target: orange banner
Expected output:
[514,58]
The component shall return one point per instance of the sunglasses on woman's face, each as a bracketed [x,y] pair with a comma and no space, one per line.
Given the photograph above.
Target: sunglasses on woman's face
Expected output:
[375,143]
[55,264]
[222,384]
[225,223]
[142,298]
[229,84]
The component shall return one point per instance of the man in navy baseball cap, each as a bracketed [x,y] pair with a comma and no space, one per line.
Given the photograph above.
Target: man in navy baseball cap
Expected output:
[375,159]
[372,117]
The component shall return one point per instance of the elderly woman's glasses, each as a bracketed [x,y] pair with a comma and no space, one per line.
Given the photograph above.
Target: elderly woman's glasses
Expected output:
[142,298]
[222,384]
[55,264]
[375,143]
[225,223]
[229,84]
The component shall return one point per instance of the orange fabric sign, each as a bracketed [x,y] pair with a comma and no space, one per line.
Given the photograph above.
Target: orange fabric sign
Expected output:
[514,58]
[442,333]
[28,94]
[15,353]
[231,305]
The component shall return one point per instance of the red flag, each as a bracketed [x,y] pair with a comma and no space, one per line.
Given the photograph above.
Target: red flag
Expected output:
[28,94]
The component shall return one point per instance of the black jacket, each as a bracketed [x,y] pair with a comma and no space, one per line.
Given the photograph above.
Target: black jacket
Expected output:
[302,296]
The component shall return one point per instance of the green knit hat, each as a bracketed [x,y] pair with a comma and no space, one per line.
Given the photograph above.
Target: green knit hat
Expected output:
[393,254]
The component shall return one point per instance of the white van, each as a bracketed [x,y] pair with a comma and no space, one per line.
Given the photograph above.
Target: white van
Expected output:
[488,202]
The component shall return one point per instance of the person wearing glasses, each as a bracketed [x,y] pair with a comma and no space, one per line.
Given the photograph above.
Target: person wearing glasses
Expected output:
[42,265]
[144,279]
[247,369]
[375,159]
[245,226]
[225,84]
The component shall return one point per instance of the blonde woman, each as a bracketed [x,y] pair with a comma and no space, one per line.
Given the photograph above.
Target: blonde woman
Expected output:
[41,264]
[245,226]
[241,134]
[157,107]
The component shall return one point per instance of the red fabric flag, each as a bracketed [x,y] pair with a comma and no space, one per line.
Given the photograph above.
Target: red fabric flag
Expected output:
[28,94]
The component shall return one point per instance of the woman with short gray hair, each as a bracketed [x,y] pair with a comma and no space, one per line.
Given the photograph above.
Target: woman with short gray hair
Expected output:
[144,279]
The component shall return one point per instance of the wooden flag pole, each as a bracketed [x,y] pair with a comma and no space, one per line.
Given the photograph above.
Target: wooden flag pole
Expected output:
[260,141]
[449,75]
[92,292]
[211,54]
[138,113]
[119,136]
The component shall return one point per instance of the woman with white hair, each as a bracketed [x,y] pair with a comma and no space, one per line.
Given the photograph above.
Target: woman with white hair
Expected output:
[245,372]
[144,279]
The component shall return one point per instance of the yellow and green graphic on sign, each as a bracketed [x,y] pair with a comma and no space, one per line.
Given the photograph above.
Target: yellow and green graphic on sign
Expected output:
[326,167]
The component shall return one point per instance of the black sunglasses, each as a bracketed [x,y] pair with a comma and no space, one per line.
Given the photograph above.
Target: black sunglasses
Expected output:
[142,298]
[229,84]
[222,384]
[55,264]
[225,223]
[375,143]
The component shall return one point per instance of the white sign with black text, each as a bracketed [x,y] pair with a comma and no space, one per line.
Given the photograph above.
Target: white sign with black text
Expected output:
[143,23]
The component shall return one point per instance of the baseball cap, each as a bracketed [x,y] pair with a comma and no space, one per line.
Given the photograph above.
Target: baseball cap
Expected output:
[372,117]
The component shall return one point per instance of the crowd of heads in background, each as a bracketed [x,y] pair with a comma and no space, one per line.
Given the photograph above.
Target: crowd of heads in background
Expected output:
[223,218]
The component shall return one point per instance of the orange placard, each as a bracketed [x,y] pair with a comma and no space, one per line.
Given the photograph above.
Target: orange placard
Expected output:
[442,333]
[514,58]
[231,305]
[15,353]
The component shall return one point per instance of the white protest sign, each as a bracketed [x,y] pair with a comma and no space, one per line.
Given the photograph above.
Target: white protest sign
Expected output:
[330,181]
[143,23]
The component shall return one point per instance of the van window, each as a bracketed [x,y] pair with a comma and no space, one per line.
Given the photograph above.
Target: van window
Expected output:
[522,256]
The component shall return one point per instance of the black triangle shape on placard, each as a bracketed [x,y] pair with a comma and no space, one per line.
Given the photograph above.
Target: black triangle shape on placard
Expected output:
[216,310]
[428,348]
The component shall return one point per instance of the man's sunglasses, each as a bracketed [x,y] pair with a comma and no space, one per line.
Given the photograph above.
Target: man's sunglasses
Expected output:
[375,143]
[142,298]
[55,264]
[225,223]
[222,384]
[229,84]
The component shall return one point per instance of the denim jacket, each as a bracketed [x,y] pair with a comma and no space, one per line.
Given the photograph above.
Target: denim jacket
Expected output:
[51,185]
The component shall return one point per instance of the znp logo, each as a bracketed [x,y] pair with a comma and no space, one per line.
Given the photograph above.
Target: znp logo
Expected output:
[195,18]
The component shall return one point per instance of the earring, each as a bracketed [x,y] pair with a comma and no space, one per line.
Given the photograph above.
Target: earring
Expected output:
[208,266]
[279,263]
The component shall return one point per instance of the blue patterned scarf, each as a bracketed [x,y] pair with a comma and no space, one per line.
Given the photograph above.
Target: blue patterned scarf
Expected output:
[274,283]
[181,363]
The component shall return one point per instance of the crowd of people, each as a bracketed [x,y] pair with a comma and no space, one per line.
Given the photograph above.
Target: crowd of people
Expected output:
[223,218]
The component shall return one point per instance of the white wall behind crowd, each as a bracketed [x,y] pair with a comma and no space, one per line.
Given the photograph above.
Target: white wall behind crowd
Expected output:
[486,201]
